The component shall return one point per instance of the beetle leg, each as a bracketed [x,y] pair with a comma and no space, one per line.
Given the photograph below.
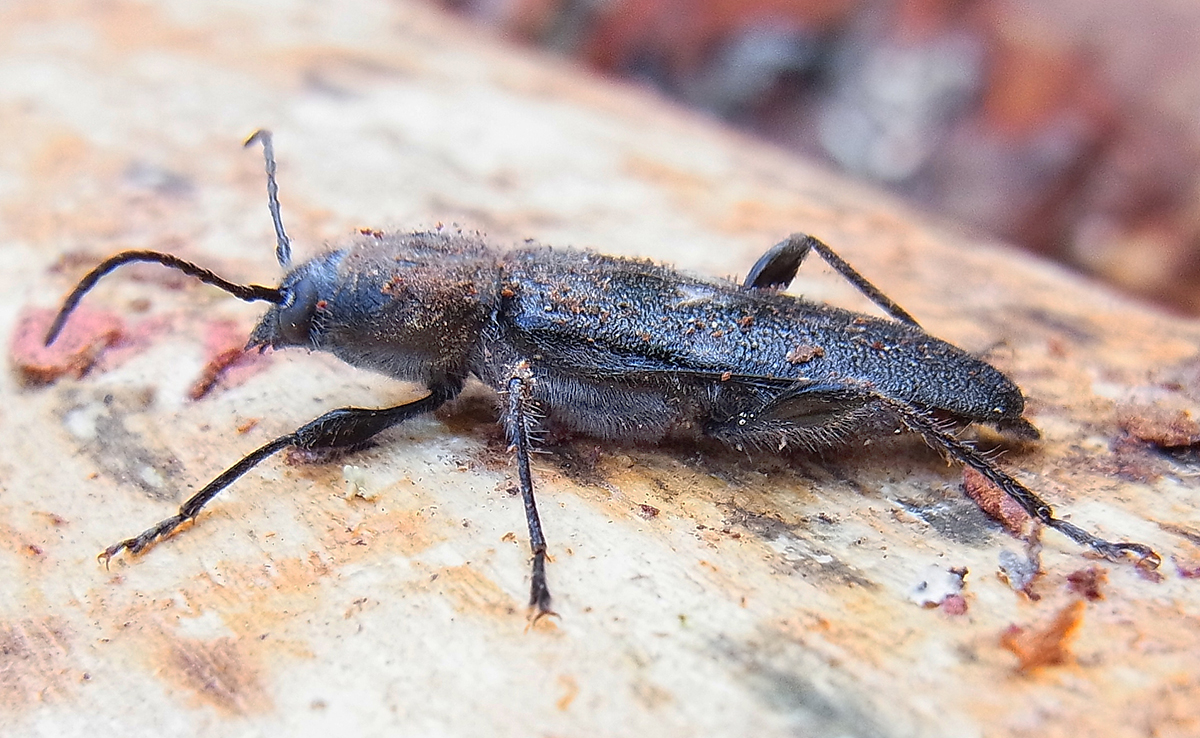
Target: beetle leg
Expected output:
[520,421]
[346,426]
[920,422]
[815,414]
[807,414]
[777,268]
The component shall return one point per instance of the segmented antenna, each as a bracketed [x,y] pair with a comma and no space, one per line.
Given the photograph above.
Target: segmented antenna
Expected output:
[283,248]
[247,292]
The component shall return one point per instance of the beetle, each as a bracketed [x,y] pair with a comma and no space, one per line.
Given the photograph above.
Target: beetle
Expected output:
[616,348]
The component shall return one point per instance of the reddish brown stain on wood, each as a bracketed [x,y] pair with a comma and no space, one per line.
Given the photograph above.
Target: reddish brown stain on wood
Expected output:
[86,336]
[227,363]
[469,591]
[35,662]
[1048,645]
[218,672]
[570,690]
[1088,583]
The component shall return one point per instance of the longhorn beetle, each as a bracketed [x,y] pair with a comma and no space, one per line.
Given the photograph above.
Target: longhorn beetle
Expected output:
[610,347]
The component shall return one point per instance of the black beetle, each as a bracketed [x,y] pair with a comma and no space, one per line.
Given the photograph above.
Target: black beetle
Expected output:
[611,347]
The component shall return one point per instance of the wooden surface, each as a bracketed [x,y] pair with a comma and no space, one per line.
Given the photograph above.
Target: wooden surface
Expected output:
[699,594]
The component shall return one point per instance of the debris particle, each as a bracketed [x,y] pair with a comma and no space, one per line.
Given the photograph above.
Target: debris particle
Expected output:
[355,478]
[1022,573]
[54,519]
[993,501]
[1047,646]
[954,605]
[246,426]
[212,372]
[648,512]
[151,477]
[804,353]
[938,584]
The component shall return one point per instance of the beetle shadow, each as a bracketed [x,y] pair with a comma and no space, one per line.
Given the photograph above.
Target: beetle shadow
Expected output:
[759,491]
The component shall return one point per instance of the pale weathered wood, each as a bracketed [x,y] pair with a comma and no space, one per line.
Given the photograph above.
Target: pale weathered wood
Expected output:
[763,598]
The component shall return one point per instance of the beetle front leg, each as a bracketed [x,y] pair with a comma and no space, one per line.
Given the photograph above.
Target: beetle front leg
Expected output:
[343,427]
[519,421]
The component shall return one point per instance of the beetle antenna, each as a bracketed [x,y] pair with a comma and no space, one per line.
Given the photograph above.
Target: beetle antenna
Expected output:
[283,247]
[247,292]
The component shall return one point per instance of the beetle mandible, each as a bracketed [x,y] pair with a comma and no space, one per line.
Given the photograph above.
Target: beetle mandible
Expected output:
[610,347]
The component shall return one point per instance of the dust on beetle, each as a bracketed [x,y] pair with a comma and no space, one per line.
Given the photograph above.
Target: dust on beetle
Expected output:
[616,348]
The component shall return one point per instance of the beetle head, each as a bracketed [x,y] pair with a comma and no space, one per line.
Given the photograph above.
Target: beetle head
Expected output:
[296,319]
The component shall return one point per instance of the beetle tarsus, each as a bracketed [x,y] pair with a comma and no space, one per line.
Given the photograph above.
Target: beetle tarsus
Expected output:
[1116,551]
[539,593]
[144,539]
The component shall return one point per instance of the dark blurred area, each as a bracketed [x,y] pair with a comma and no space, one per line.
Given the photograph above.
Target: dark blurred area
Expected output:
[1069,126]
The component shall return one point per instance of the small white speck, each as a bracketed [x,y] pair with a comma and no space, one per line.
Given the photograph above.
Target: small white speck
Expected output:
[81,423]
[151,476]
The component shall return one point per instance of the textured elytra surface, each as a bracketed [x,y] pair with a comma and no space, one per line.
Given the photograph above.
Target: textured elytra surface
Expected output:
[762,594]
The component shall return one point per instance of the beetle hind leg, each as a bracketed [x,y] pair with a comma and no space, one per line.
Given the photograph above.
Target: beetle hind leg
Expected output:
[1037,508]
[816,413]
[777,268]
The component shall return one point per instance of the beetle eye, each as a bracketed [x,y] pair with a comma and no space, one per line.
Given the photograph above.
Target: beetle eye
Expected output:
[297,312]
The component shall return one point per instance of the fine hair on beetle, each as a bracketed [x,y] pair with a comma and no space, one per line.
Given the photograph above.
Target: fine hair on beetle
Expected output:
[615,348]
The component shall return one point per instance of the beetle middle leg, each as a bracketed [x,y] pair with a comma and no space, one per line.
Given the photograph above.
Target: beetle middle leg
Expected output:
[519,419]
[777,268]
[343,427]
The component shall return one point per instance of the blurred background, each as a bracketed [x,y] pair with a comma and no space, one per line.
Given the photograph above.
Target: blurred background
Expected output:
[1071,127]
